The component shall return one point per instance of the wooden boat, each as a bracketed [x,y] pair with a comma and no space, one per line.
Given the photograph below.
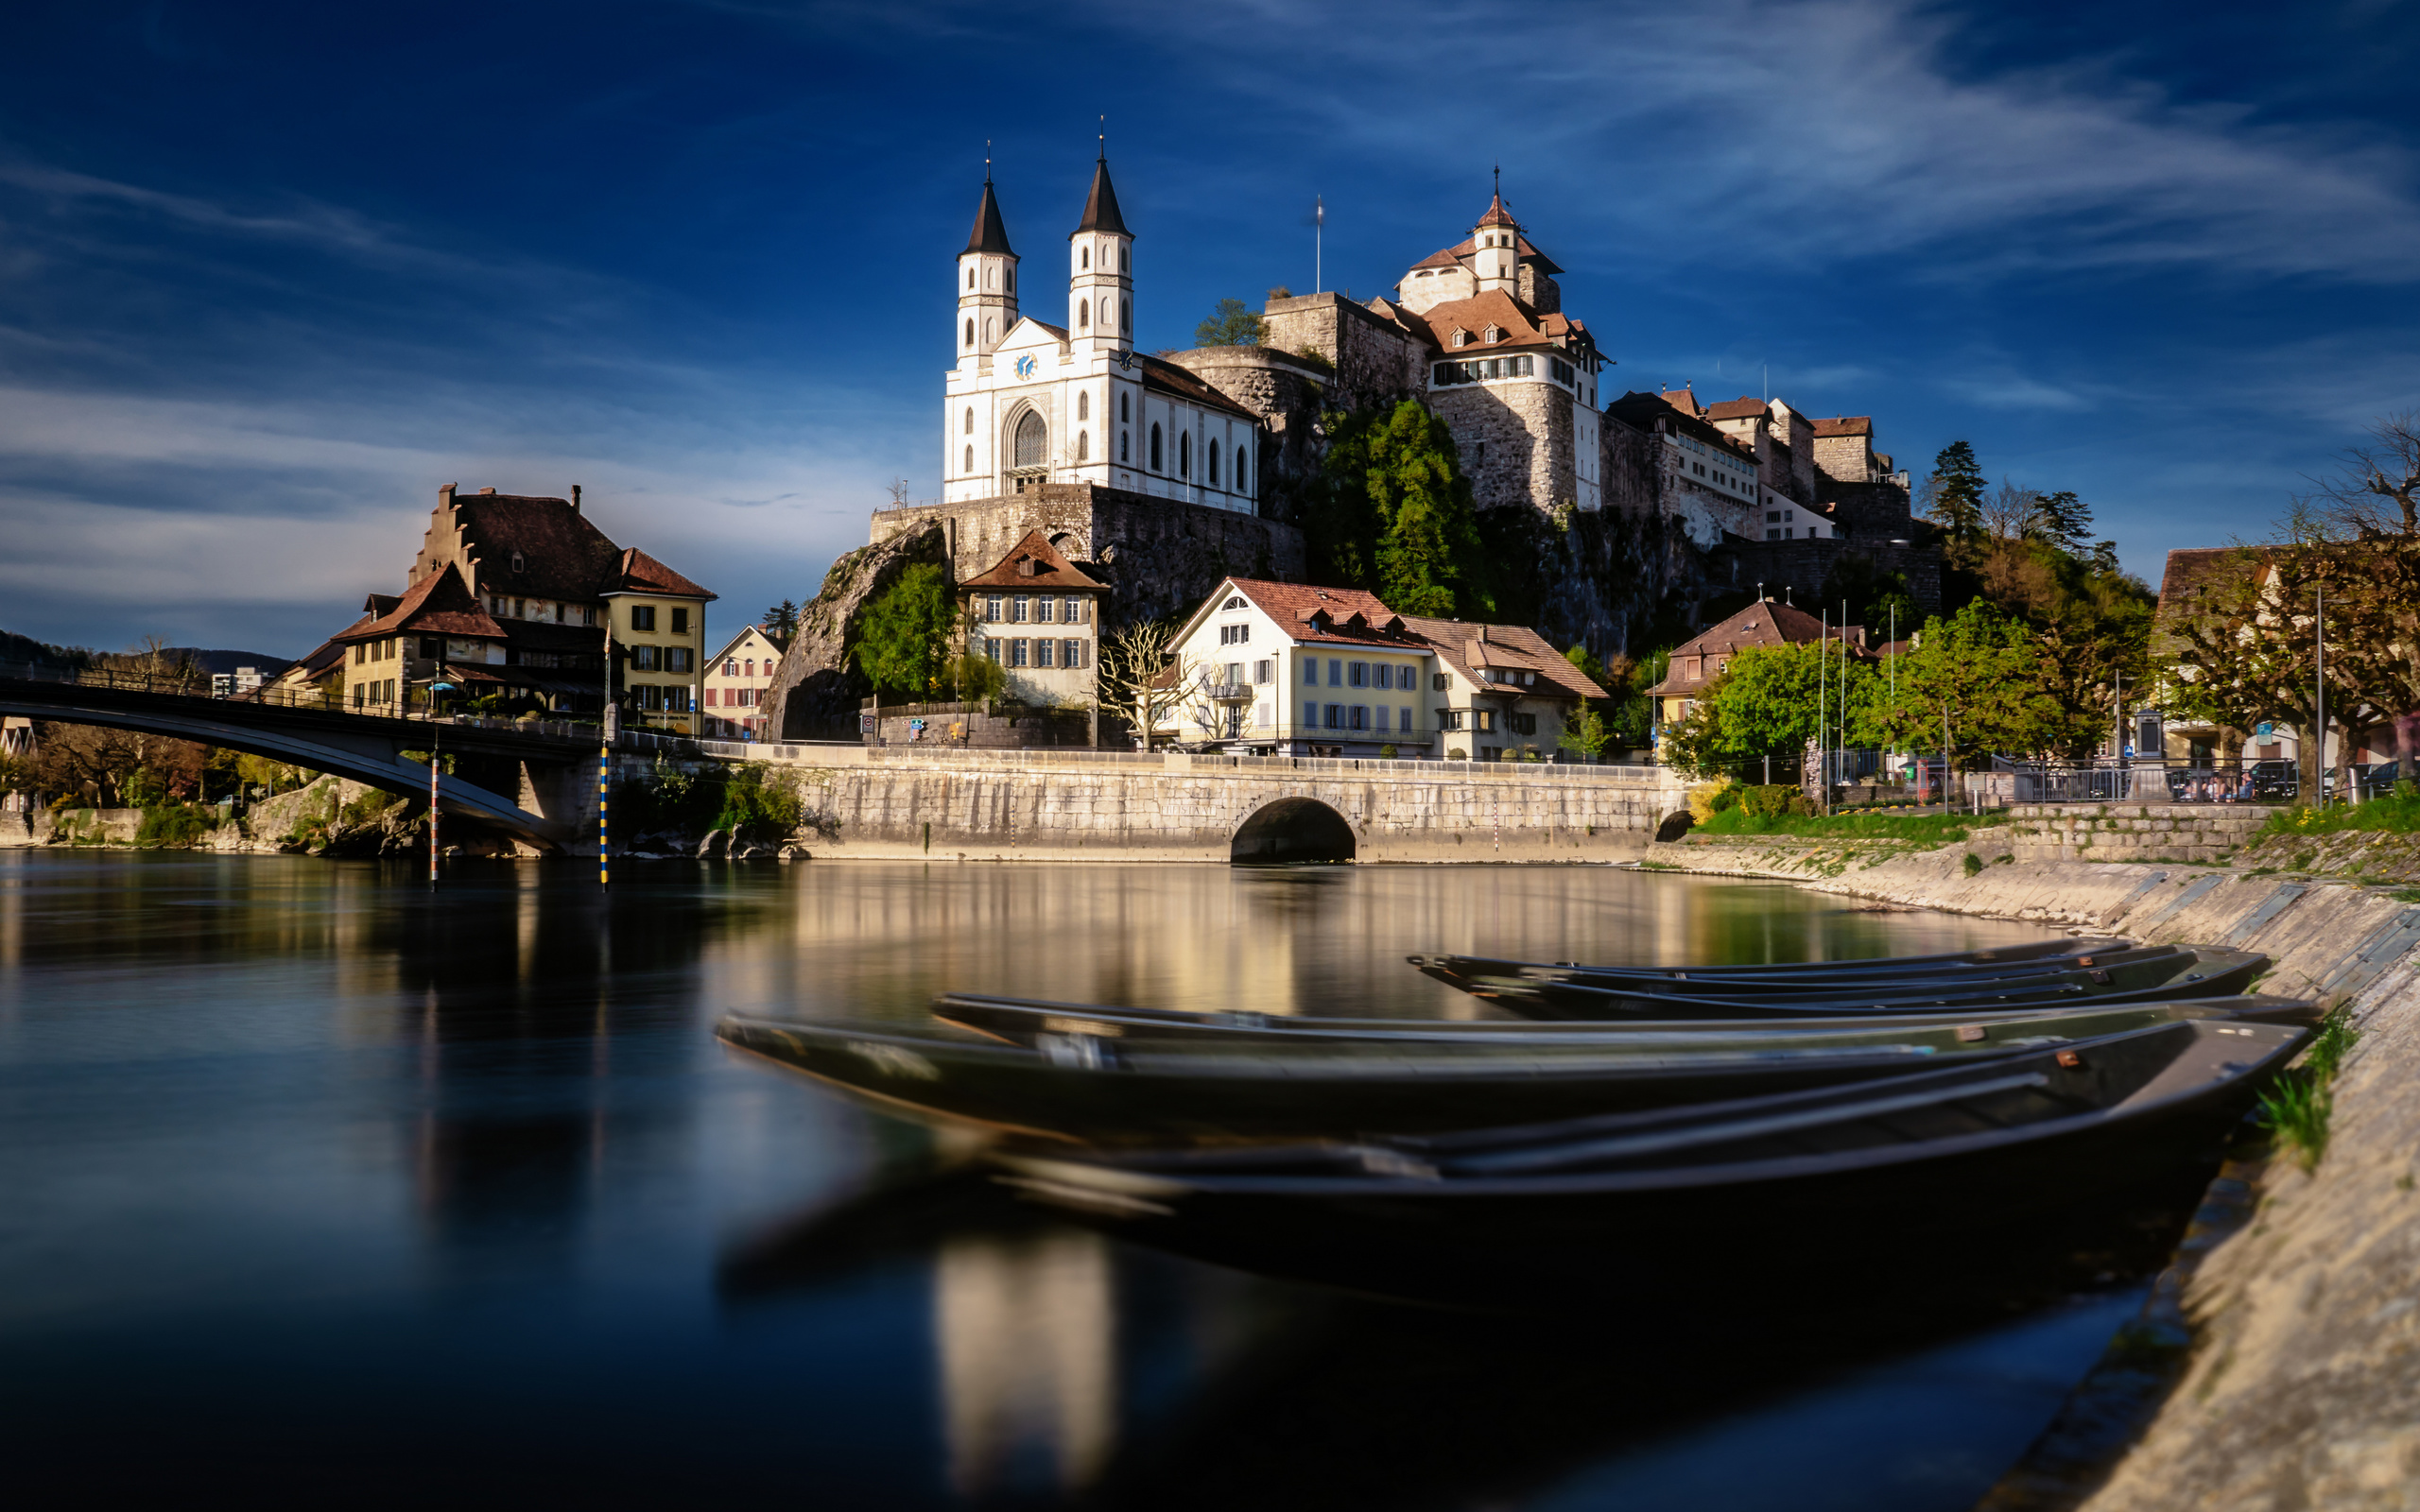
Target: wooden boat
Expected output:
[1464,973]
[1101,1090]
[1858,1182]
[2192,973]
[2053,955]
[1026,1021]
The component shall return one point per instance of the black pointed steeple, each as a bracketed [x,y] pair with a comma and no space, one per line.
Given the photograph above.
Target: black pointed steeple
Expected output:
[1100,207]
[990,235]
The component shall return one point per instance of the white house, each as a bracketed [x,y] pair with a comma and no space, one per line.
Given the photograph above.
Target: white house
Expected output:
[1293,669]
[737,678]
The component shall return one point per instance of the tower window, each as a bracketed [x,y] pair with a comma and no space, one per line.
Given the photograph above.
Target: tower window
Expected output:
[970,420]
[1156,446]
[991,331]
[1126,316]
[1013,280]
[1214,464]
[1243,474]
[1125,408]
[970,326]
[1124,451]
[990,278]
[1084,257]
[1121,260]
[1083,315]
[970,460]
[1185,455]
[970,278]
[1084,404]
[1083,446]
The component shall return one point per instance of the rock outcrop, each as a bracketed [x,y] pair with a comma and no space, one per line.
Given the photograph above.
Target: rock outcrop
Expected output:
[814,689]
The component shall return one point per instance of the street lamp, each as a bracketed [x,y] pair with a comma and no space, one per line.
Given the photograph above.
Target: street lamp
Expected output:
[436,747]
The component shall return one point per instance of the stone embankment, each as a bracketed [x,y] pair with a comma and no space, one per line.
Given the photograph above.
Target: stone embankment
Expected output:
[2302,1387]
[2131,831]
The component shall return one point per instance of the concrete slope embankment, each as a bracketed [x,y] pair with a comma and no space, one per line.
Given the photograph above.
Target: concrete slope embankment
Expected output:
[2302,1388]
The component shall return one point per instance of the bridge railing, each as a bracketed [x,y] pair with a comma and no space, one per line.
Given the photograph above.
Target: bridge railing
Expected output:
[853,755]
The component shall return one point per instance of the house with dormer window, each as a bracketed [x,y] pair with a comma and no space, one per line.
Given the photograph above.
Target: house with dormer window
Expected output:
[1294,669]
[1038,615]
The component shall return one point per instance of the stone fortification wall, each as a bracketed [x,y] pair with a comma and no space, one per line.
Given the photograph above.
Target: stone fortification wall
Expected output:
[1805,566]
[1844,457]
[1630,463]
[1514,440]
[1376,362]
[1870,510]
[1159,556]
[1288,393]
[1029,806]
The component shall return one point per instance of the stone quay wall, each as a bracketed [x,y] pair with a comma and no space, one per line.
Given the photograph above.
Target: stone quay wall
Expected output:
[1032,805]
[2131,831]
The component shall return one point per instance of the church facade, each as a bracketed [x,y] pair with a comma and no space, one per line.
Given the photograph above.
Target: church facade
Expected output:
[1030,404]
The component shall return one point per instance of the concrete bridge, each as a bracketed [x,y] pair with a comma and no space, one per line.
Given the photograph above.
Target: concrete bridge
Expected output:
[550,774]
[1080,805]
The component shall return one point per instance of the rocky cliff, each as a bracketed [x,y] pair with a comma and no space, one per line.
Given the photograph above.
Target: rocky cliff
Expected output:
[815,690]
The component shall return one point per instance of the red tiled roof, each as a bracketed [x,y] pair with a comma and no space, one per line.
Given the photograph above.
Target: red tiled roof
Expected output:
[1507,648]
[1051,569]
[642,573]
[1321,616]
[1740,408]
[563,556]
[1766,623]
[1845,425]
[1497,214]
[439,604]
[1462,252]
[1642,411]
[1522,326]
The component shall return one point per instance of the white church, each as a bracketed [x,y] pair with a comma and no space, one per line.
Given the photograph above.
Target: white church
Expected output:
[1031,403]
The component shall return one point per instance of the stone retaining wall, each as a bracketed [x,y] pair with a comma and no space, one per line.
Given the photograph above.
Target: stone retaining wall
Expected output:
[2132,831]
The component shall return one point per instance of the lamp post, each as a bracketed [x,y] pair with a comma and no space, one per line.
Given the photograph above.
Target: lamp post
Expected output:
[436,749]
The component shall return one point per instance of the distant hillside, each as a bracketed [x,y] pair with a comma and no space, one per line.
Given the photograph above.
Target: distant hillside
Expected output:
[269,667]
[15,647]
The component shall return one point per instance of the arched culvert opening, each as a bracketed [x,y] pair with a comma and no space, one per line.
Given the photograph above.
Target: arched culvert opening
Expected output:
[1292,830]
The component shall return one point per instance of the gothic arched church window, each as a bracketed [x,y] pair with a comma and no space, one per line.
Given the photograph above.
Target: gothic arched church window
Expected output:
[1184,454]
[970,328]
[1121,259]
[1084,405]
[991,331]
[1083,315]
[1126,316]
[1083,446]
[1214,464]
[1013,280]
[1125,454]
[1243,473]
[1124,410]
[970,278]
[1156,446]
[990,278]
[970,420]
[970,461]
[1033,440]
[1084,257]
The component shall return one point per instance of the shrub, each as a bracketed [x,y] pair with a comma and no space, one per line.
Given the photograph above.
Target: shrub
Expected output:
[1973,864]
[1386,753]
[174,825]
[1458,754]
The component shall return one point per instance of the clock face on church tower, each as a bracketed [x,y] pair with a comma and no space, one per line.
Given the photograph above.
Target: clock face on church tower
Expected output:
[1024,366]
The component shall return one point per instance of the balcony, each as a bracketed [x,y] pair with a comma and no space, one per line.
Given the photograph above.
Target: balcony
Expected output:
[1229,692]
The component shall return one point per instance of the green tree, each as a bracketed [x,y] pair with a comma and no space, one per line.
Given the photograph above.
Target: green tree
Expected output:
[975,678]
[1232,323]
[903,642]
[1987,672]
[781,621]
[1769,700]
[1340,518]
[2063,521]
[1953,496]
[1429,528]
[1587,731]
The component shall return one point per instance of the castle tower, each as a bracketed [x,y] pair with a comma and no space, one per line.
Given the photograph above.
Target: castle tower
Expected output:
[1100,278]
[1495,248]
[987,280]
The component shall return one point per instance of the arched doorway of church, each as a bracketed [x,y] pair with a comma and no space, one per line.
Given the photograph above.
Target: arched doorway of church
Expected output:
[1029,451]
[1292,830]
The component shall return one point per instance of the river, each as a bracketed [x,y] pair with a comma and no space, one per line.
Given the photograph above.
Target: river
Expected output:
[319,1186]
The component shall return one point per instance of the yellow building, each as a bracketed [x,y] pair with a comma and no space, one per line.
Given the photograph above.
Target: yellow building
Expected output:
[736,678]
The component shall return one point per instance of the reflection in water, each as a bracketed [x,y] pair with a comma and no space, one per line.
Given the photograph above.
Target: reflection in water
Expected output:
[460,1192]
[1027,1335]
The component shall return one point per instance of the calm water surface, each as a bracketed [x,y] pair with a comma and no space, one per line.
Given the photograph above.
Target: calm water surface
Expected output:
[319,1188]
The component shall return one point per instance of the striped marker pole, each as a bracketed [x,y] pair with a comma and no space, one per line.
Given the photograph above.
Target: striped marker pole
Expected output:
[604,871]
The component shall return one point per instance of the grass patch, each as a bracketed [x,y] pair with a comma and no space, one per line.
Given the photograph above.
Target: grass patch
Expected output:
[2297,1107]
[1932,828]
[2399,814]
[1660,865]
[176,826]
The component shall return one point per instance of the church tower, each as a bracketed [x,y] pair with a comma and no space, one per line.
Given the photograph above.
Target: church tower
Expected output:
[1101,280]
[987,281]
[1495,248]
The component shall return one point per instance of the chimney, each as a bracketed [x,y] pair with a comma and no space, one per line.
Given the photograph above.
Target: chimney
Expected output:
[574,498]
[1482,635]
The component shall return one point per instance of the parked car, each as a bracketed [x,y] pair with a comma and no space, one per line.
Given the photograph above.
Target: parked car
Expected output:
[2273,779]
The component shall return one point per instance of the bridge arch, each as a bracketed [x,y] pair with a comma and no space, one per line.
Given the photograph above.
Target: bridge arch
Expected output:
[1294,829]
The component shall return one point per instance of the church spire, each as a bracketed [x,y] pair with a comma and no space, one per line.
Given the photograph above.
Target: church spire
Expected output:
[991,233]
[1100,206]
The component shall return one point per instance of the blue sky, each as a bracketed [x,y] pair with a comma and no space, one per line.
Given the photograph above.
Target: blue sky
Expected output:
[270,274]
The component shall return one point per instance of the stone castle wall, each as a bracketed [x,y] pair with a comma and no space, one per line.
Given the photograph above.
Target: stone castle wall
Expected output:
[1516,442]
[1286,392]
[1375,362]
[1845,457]
[1805,566]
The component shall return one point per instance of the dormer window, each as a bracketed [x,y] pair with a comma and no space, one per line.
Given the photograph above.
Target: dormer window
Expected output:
[1495,332]
[518,565]
[1461,338]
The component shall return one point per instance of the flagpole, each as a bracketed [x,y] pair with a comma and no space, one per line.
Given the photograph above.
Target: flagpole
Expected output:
[1319,247]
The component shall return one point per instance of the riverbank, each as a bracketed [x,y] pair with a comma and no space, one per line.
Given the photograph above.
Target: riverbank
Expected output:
[2301,1382]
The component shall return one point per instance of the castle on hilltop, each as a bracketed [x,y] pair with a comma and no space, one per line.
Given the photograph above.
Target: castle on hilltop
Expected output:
[1158,473]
